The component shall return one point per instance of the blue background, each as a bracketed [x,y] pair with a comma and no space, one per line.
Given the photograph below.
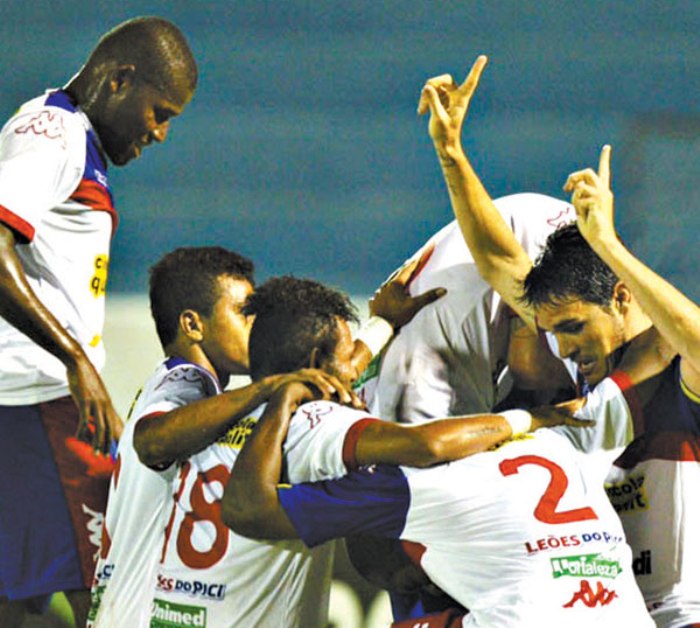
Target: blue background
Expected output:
[302,148]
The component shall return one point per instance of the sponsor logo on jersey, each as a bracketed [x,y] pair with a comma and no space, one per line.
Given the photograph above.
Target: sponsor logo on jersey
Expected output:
[570,540]
[193,588]
[585,565]
[95,601]
[94,527]
[236,436]
[46,123]
[166,615]
[314,413]
[601,596]
[628,495]
[98,283]
[641,563]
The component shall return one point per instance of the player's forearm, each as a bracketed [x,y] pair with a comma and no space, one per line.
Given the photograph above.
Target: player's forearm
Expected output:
[675,316]
[499,257]
[187,430]
[20,306]
[430,443]
[250,505]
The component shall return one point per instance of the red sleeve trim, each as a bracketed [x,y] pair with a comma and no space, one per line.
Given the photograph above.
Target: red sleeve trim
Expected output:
[626,385]
[21,227]
[97,197]
[350,444]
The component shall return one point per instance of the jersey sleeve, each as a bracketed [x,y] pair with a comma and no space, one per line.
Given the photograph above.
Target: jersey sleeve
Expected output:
[178,387]
[321,440]
[42,158]
[369,501]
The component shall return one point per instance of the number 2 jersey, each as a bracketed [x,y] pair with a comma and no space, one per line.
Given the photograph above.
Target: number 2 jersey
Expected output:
[210,576]
[517,535]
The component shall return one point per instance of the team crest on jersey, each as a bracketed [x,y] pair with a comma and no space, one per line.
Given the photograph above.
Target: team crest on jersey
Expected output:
[236,436]
[628,495]
[98,282]
[46,123]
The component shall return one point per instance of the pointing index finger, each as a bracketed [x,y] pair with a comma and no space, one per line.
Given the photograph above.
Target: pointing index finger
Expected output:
[604,166]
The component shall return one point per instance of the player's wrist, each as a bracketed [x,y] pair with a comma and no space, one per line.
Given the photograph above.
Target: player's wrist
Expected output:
[375,333]
[520,421]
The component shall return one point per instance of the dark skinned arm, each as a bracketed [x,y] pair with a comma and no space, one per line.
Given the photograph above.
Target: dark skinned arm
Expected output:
[184,431]
[20,306]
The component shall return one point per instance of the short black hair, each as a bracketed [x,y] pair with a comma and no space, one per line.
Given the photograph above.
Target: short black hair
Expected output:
[568,269]
[154,45]
[292,318]
[187,279]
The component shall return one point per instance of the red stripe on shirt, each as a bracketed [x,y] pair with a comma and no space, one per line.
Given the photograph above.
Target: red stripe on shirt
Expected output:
[21,227]
[97,197]
[350,443]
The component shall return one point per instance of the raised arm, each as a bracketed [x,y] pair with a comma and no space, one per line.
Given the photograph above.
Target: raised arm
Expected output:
[500,258]
[20,306]
[675,316]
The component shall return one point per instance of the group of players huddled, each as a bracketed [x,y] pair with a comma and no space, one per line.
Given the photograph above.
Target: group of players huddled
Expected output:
[504,442]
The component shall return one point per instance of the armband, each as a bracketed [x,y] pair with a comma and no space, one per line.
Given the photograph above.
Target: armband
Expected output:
[520,421]
[375,333]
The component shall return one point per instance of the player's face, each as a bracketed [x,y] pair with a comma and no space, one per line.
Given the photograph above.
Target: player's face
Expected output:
[587,333]
[135,114]
[340,363]
[226,330]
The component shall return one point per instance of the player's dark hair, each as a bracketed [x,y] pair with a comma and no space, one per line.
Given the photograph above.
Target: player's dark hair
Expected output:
[187,279]
[154,46]
[292,318]
[566,269]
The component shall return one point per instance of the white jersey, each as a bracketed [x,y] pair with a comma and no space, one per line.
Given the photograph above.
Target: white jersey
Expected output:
[522,536]
[212,577]
[654,486]
[448,359]
[138,504]
[55,196]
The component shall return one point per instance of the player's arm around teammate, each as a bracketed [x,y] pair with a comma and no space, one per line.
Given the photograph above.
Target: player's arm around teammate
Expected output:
[675,316]
[250,505]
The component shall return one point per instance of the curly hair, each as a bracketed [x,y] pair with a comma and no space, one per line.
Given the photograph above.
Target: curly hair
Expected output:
[187,279]
[568,269]
[292,318]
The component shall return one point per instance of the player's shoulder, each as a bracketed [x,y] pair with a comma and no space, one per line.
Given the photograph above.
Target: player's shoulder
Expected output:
[43,124]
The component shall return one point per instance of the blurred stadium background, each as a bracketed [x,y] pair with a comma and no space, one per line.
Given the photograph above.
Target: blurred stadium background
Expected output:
[302,148]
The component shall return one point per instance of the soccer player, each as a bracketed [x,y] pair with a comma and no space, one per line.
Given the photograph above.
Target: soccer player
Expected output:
[597,303]
[196,296]
[56,223]
[207,571]
[520,535]
[451,358]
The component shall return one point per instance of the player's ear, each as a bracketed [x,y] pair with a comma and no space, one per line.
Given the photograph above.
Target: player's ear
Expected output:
[191,325]
[622,297]
[121,77]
